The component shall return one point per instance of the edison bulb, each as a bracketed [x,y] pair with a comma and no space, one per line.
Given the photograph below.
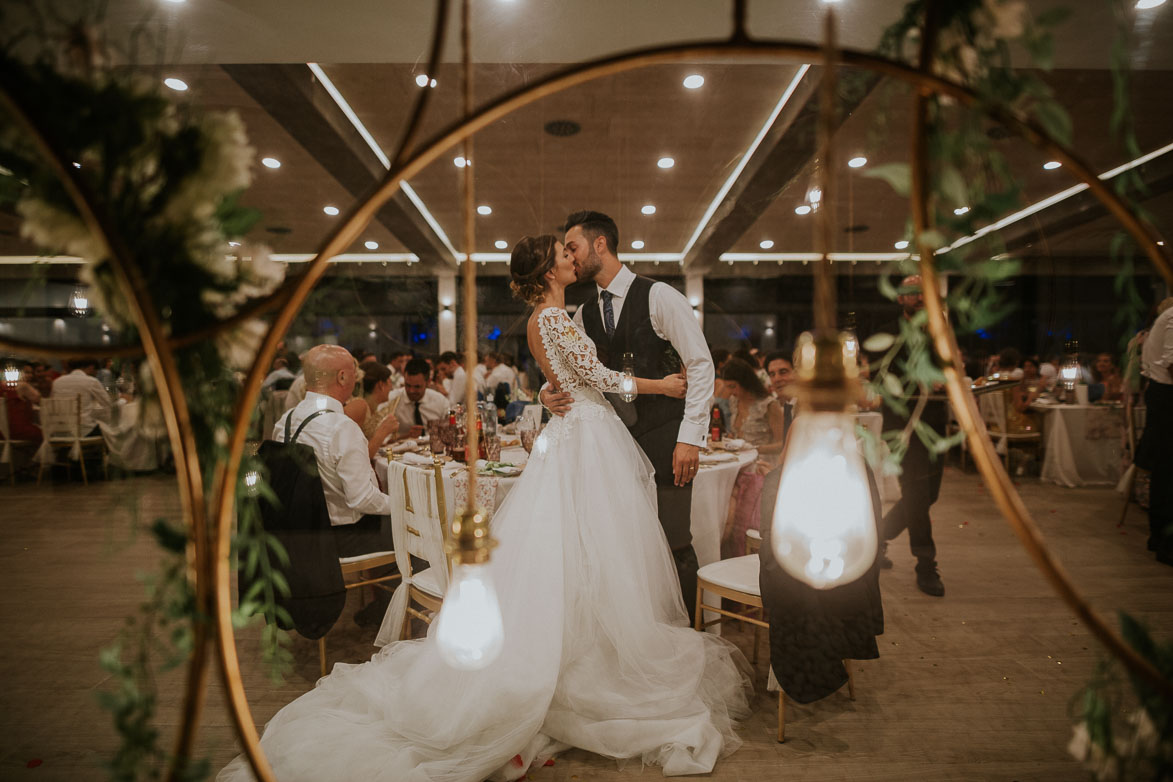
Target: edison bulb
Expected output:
[824,530]
[627,389]
[469,631]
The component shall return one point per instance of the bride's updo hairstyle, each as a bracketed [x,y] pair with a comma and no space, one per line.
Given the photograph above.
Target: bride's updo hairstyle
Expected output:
[532,257]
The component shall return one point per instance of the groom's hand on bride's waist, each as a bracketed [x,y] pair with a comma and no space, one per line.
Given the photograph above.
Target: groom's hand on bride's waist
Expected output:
[686,460]
[556,402]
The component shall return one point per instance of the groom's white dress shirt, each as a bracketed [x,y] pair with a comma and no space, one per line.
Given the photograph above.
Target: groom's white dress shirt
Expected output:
[674,321]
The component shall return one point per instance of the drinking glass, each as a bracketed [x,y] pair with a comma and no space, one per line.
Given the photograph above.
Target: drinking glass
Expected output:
[492,448]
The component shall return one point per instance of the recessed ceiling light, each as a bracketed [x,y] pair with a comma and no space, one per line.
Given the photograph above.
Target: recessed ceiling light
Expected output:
[1144,5]
[270,162]
[330,210]
[857,162]
[638,244]
[421,80]
[902,244]
[694,82]
[1051,165]
[179,85]
[648,209]
[959,211]
[500,244]
[370,244]
[802,209]
[76,164]
[1161,243]
[460,161]
[484,210]
[665,162]
[766,244]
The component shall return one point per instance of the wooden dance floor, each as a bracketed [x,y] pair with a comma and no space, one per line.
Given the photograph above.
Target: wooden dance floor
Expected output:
[976,685]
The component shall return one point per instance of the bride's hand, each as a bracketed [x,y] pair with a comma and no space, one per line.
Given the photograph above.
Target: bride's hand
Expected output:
[674,386]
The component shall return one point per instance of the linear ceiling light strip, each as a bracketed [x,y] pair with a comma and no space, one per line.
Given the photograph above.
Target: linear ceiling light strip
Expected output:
[725,188]
[412,196]
[1050,201]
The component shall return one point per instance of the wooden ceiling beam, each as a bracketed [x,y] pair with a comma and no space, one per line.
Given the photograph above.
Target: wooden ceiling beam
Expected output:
[299,103]
[783,154]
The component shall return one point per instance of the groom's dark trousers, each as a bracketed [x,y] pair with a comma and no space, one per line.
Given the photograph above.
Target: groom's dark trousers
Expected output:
[675,507]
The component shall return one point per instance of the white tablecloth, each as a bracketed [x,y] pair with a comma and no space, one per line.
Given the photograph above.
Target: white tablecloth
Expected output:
[712,490]
[1084,444]
[889,485]
[134,445]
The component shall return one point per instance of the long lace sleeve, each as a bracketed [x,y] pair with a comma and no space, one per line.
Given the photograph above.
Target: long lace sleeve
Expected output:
[569,351]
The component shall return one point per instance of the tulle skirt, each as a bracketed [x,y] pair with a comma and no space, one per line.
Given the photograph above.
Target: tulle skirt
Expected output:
[598,651]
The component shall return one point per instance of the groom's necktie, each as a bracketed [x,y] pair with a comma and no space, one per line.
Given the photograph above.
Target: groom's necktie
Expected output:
[416,417]
[608,313]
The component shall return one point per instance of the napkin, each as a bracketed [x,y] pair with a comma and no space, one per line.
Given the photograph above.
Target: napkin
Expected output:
[417,459]
[404,446]
[733,444]
[711,458]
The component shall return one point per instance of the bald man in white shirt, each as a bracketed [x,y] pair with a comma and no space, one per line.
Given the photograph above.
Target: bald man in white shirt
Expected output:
[359,510]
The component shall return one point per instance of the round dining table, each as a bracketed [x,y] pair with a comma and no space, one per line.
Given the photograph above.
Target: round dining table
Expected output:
[711,493]
[1083,444]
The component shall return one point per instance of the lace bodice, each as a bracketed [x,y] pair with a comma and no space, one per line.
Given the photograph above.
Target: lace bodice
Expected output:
[571,354]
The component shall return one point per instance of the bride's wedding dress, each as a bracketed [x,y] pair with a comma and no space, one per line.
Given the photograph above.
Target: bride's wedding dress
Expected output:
[598,651]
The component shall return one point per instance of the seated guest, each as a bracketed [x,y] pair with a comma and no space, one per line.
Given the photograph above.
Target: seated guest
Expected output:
[449,366]
[780,370]
[95,399]
[368,410]
[1019,417]
[417,403]
[280,372]
[21,400]
[396,363]
[359,511]
[758,419]
[1107,382]
[1008,362]
[813,631]
[757,415]
[499,372]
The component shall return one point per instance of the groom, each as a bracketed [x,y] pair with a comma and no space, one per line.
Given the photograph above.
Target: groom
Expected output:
[654,322]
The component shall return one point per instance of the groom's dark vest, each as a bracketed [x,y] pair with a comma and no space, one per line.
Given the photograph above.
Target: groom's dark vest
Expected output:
[654,357]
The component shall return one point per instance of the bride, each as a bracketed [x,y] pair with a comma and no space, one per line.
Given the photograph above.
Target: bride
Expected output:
[598,651]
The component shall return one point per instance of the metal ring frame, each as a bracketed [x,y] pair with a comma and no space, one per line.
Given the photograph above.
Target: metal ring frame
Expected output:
[210,546]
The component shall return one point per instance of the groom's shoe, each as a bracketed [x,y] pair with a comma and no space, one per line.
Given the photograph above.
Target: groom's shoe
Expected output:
[928,580]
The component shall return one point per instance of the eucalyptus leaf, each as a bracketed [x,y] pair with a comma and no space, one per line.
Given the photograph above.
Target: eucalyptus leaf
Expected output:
[893,385]
[878,343]
[898,175]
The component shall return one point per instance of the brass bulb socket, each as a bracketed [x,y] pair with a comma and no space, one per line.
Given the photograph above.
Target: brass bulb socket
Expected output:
[470,541]
[828,372]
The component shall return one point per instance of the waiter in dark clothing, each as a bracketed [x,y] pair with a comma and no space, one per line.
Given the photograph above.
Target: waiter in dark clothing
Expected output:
[920,478]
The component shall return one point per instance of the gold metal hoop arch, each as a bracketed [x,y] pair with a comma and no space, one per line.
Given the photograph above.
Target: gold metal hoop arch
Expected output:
[212,568]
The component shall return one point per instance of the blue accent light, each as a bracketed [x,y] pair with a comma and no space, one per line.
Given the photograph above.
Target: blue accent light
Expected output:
[495,334]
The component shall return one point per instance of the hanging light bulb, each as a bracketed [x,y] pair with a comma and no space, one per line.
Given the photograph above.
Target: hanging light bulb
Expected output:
[79,303]
[850,341]
[627,387]
[469,632]
[824,529]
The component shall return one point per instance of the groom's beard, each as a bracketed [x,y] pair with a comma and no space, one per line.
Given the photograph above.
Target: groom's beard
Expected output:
[589,268]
